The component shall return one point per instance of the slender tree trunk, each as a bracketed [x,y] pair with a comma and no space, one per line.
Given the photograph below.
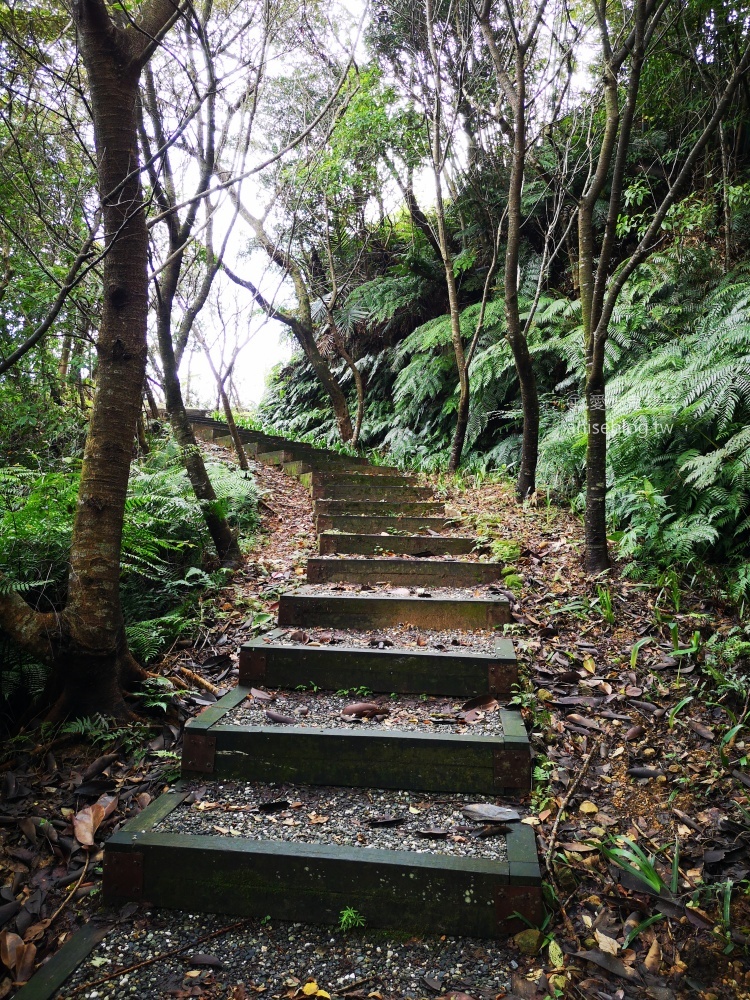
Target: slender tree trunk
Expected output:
[438,168]
[725,199]
[597,556]
[153,408]
[526,484]
[238,447]
[462,420]
[221,534]
[530,405]
[64,363]
[359,381]
[141,431]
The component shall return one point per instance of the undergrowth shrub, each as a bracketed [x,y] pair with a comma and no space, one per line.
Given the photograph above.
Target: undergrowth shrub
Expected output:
[678,408]
[167,555]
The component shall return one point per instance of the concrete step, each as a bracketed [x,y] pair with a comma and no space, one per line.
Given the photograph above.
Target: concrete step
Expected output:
[453,672]
[389,492]
[359,524]
[318,605]
[378,508]
[261,873]
[233,740]
[312,480]
[331,542]
[305,466]
[407,572]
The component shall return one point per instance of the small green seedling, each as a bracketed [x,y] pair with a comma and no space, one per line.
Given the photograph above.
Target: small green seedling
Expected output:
[636,650]
[349,918]
[678,708]
[604,596]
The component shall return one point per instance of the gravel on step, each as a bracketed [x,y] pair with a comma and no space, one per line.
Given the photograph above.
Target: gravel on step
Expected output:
[323,709]
[386,553]
[484,591]
[454,642]
[347,817]
[276,959]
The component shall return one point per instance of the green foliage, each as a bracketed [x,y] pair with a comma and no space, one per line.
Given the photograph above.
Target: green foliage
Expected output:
[349,918]
[678,406]
[166,557]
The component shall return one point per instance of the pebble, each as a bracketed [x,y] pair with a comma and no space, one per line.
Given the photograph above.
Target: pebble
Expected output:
[269,958]
[324,709]
[451,642]
[327,815]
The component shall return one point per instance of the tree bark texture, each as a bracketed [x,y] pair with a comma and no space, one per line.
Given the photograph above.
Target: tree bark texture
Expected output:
[86,644]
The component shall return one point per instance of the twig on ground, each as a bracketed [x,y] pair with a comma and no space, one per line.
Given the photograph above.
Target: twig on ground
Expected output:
[70,895]
[158,958]
[566,800]
[199,681]
[553,838]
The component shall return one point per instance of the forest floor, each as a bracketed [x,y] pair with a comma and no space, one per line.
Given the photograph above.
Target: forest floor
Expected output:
[631,740]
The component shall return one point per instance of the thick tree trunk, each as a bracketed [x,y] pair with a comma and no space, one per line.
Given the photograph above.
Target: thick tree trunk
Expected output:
[85,644]
[93,643]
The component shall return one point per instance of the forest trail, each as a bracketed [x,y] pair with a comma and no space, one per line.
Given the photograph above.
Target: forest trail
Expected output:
[622,744]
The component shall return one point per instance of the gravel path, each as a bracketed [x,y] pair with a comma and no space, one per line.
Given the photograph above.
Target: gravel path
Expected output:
[451,641]
[352,817]
[277,959]
[403,714]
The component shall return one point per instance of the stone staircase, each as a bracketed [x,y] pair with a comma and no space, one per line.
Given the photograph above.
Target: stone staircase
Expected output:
[405,630]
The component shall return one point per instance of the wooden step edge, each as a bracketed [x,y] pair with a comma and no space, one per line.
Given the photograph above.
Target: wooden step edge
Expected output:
[346,476]
[378,508]
[360,491]
[51,976]
[417,892]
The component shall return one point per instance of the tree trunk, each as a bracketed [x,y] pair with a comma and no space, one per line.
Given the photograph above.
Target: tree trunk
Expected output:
[93,651]
[462,421]
[62,367]
[141,431]
[359,381]
[221,534]
[597,555]
[526,484]
[340,406]
[238,447]
[152,407]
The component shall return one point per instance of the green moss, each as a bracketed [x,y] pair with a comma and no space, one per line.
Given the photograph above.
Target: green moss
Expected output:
[514,581]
